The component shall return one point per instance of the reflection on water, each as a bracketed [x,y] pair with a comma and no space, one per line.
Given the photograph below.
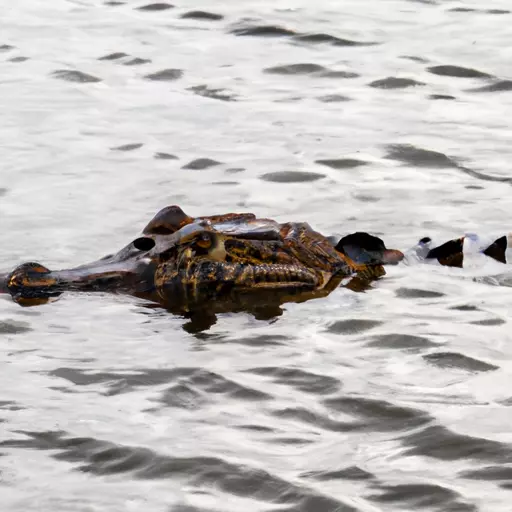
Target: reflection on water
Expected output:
[386,117]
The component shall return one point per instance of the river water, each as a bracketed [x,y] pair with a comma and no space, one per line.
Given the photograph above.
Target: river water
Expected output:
[387,116]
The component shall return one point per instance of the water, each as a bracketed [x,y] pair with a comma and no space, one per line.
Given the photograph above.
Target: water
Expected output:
[394,120]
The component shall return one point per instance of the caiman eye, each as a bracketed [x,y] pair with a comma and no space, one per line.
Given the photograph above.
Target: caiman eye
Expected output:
[144,244]
[205,241]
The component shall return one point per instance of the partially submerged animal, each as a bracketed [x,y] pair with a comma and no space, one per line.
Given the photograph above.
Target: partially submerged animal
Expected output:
[220,263]
[232,262]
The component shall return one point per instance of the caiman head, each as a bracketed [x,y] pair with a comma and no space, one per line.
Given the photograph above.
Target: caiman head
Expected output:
[185,260]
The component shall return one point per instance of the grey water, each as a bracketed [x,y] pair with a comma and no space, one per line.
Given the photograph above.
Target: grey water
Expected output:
[388,116]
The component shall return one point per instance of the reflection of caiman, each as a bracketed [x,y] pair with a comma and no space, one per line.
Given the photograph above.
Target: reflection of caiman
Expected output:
[230,262]
[220,263]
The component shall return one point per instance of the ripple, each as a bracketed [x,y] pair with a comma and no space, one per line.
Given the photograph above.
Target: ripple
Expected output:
[14,327]
[352,326]
[457,72]
[415,58]
[459,361]
[348,473]
[124,381]
[441,97]
[166,75]
[70,75]
[19,59]
[262,340]
[158,6]
[6,47]
[200,164]
[202,15]
[419,157]
[379,414]
[114,56]
[326,38]
[194,386]
[308,69]
[301,380]
[415,496]
[128,147]
[401,341]
[136,61]
[291,176]
[263,31]
[9,405]
[102,458]
[165,156]
[441,443]
[489,321]
[501,86]
[216,94]
[490,473]
[392,82]
[415,293]
[333,98]
[342,163]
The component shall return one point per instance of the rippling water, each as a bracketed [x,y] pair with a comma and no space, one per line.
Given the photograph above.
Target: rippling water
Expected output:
[386,116]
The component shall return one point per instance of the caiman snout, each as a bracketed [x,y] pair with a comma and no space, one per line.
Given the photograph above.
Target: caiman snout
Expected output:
[30,284]
[130,270]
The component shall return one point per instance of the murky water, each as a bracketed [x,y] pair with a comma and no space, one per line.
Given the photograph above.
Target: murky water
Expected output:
[386,116]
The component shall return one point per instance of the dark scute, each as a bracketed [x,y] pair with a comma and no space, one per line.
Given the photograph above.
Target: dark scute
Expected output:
[392,82]
[144,244]
[497,249]
[291,176]
[457,72]
[166,75]
[202,15]
[449,254]
[201,163]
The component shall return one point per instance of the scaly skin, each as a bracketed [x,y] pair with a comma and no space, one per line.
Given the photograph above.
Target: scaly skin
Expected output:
[218,263]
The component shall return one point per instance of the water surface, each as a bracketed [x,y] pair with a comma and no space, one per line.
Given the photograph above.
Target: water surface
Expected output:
[385,116]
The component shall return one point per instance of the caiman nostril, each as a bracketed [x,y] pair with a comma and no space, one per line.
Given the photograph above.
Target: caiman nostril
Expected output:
[144,244]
